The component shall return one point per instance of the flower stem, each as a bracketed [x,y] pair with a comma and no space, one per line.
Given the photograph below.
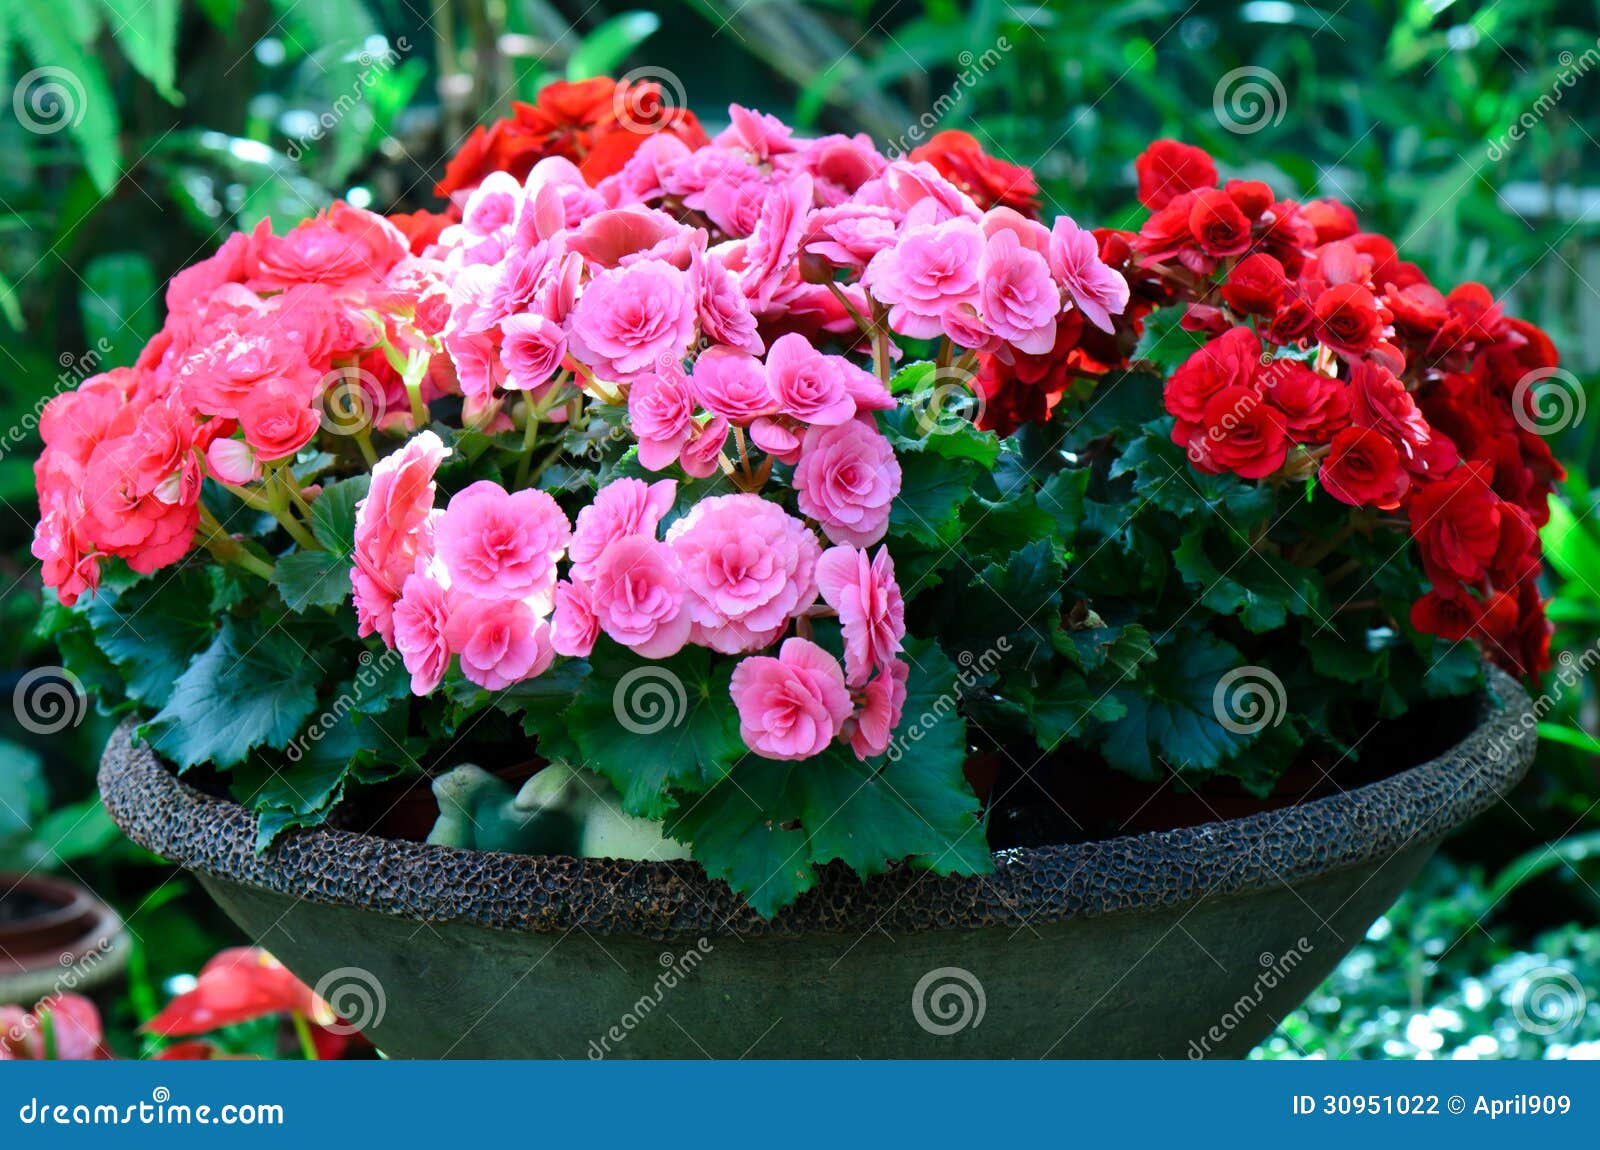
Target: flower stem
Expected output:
[867,329]
[278,505]
[226,549]
[302,1031]
[416,368]
[530,435]
[363,440]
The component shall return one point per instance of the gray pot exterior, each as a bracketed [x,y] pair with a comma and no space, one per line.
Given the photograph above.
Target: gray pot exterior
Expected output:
[1178,944]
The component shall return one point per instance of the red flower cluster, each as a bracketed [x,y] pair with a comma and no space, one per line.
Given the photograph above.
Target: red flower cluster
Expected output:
[597,124]
[234,384]
[1329,351]
[989,180]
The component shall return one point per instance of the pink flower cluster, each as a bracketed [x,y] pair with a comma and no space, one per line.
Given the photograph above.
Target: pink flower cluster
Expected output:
[477,580]
[696,284]
[717,296]
[233,384]
[474,580]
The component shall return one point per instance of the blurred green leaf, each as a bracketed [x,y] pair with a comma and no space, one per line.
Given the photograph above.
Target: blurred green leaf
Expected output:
[147,32]
[68,89]
[604,49]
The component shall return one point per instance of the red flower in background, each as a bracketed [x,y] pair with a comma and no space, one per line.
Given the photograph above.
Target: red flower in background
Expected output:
[597,124]
[243,984]
[989,180]
[1167,169]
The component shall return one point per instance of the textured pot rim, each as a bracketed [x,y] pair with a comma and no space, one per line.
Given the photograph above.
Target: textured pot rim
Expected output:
[556,894]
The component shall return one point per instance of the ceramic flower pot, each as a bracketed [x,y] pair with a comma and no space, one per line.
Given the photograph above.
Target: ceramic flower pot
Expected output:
[55,938]
[1181,943]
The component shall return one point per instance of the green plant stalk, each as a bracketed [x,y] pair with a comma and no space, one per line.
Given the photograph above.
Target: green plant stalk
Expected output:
[530,436]
[278,505]
[416,368]
[227,549]
[302,1031]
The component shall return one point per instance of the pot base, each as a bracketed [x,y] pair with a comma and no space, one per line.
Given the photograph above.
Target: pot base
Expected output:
[1177,944]
[1207,981]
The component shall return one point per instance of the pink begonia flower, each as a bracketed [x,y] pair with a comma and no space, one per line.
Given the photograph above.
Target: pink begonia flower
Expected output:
[500,641]
[732,384]
[621,508]
[871,612]
[518,281]
[848,236]
[885,699]
[217,378]
[632,319]
[540,215]
[638,597]
[792,706]
[277,418]
[502,545]
[907,184]
[233,461]
[966,328]
[531,351]
[776,437]
[478,366]
[574,627]
[420,617]
[492,204]
[807,384]
[344,248]
[640,179]
[846,480]
[763,136]
[749,567]
[930,270]
[838,164]
[628,235]
[723,184]
[661,410]
[701,457]
[775,244]
[393,530]
[1020,298]
[1099,291]
[724,312]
